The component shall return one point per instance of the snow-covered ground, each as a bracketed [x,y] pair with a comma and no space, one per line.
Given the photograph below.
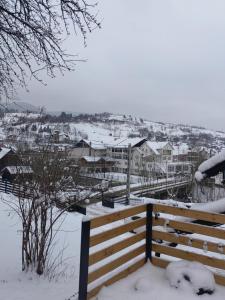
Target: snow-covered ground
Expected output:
[155,286]
[17,285]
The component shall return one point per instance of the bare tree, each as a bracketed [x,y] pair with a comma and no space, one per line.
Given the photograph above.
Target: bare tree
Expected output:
[39,206]
[32,34]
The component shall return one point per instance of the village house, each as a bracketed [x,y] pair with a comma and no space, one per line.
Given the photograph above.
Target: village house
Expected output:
[146,156]
[17,173]
[119,151]
[96,164]
[180,152]
[59,137]
[87,148]
[197,154]
[7,157]
[179,168]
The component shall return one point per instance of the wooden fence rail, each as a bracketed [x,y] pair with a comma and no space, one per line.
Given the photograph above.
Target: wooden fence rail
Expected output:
[142,233]
[16,189]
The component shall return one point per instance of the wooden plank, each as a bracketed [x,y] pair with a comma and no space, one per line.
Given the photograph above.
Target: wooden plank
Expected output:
[134,267]
[109,234]
[190,213]
[115,263]
[183,254]
[122,214]
[108,251]
[219,279]
[192,228]
[163,263]
[159,262]
[186,240]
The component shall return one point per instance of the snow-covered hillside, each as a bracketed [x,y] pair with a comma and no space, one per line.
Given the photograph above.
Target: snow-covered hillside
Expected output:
[103,128]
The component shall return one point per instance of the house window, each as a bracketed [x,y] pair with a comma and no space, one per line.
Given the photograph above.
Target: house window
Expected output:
[186,167]
[178,168]
[170,169]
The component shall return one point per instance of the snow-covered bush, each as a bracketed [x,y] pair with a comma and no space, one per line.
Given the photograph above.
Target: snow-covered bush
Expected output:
[184,274]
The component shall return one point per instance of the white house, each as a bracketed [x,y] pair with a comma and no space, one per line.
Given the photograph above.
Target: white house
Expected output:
[88,148]
[146,157]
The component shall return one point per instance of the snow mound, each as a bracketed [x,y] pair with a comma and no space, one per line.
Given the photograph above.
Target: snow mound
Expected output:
[212,162]
[199,176]
[142,284]
[184,274]
[217,162]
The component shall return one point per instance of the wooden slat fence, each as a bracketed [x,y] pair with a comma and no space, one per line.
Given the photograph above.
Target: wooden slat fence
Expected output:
[110,253]
[16,189]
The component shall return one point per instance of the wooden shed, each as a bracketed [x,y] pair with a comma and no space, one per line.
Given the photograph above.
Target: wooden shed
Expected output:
[11,173]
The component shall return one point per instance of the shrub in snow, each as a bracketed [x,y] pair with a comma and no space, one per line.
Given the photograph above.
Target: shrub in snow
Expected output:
[192,274]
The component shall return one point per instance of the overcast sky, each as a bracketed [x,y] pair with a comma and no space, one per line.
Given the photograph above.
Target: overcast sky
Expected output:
[163,60]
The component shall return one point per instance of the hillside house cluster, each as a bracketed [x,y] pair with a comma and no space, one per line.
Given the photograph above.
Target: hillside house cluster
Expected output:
[147,157]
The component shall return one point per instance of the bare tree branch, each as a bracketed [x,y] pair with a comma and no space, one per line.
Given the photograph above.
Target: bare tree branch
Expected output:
[32,34]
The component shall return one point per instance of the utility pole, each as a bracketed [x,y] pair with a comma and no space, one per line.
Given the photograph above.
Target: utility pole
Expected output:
[90,149]
[128,172]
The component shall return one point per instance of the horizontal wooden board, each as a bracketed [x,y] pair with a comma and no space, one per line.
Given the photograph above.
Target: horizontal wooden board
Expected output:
[206,260]
[115,263]
[115,248]
[116,216]
[159,262]
[109,234]
[186,240]
[190,213]
[163,263]
[134,267]
[192,228]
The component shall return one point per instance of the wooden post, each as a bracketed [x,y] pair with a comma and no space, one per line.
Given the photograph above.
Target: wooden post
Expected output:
[148,250]
[128,173]
[84,257]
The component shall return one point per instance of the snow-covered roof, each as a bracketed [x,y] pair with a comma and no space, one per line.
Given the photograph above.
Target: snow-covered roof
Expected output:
[4,151]
[95,145]
[200,149]
[113,142]
[91,158]
[127,141]
[18,170]
[155,146]
[97,158]
[180,149]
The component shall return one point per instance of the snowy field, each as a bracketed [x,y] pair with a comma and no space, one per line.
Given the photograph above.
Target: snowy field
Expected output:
[153,286]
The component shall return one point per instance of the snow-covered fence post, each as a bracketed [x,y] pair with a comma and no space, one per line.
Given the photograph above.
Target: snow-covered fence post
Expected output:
[148,250]
[84,258]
